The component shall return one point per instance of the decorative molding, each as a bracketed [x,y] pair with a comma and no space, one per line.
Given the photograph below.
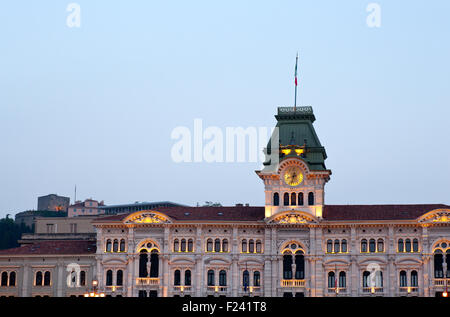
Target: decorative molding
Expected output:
[436,216]
[292,217]
[147,217]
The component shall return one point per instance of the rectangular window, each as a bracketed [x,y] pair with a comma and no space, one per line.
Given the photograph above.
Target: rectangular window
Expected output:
[50,228]
[73,228]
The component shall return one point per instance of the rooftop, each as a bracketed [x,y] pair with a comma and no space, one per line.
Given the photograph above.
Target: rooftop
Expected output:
[57,247]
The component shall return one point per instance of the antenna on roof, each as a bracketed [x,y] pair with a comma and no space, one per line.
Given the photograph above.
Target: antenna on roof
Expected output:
[75,201]
[295,75]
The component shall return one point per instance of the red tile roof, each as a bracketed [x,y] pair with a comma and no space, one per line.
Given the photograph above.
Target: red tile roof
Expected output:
[238,213]
[57,247]
[377,212]
[330,213]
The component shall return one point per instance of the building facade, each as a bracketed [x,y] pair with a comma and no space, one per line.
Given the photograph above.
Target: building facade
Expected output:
[294,245]
[53,202]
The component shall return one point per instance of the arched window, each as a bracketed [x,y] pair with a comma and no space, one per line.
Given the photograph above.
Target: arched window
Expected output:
[286,199]
[372,245]
[293,199]
[12,279]
[176,245]
[245,279]
[251,246]
[122,245]
[217,245]
[108,245]
[407,245]
[380,245]
[143,259]
[222,278]
[109,277]
[299,265]
[244,245]
[366,279]
[331,280]
[287,266]
[276,199]
[183,245]
[115,245]
[47,278]
[258,246]
[401,247]
[119,278]
[342,279]
[447,257]
[415,245]
[256,278]
[4,278]
[336,246]
[177,278]
[187,278]
[414,279]
[209,245]
[311,199]
[379,279]
[154,264]
[38,279]
[438,264]
[344,246]
[82,278]
[363,245]
[211,281]
[403,279]
[225,245]
[329,246]
[300,199]
[190,245]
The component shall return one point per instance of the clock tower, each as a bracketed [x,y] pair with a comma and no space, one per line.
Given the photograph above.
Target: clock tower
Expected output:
[294,172]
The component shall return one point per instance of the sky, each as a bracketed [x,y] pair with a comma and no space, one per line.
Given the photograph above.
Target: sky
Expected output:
[94,106]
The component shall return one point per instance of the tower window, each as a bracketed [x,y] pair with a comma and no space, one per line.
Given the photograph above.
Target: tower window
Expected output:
[311,199]
[276,199]
[286,199]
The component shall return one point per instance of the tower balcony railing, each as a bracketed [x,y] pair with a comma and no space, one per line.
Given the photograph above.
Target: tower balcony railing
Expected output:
[292,283]
[147,281]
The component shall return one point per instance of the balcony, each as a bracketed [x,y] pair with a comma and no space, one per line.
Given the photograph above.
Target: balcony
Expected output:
[183,288]
[221,290]
[147,281]
[292,283]
[441,282]
[337,291]
[372,290]
[113,288]
[409,290]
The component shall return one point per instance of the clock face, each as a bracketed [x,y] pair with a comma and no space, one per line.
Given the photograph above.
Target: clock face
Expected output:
[293,176]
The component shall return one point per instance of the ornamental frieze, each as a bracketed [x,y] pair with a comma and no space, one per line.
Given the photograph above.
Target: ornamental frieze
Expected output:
[146,218]
[436,216]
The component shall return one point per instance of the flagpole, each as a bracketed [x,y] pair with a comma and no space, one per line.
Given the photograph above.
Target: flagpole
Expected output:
[295,100]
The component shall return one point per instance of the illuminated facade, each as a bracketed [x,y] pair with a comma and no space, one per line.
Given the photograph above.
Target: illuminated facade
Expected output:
[295,245]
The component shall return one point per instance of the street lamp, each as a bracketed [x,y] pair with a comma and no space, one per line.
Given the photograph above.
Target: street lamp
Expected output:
[94,292]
